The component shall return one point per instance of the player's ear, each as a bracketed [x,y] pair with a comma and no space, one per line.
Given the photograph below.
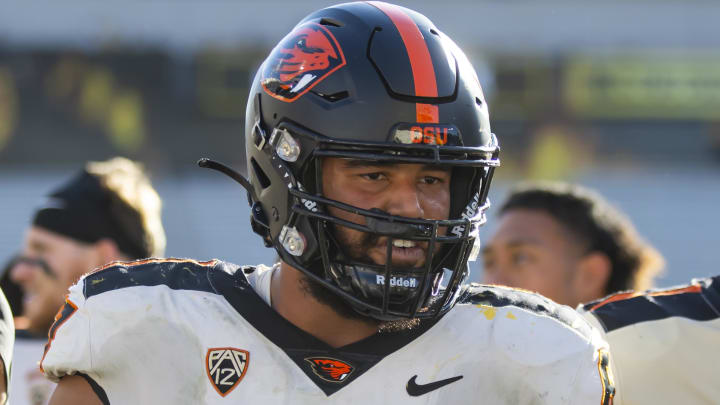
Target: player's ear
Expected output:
[107,251]
[593,273]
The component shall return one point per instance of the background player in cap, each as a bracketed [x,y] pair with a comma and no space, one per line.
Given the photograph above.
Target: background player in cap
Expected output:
[108,211]
[369,158]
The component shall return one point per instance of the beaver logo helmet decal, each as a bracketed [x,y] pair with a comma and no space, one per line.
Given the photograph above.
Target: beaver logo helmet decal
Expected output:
[305,57]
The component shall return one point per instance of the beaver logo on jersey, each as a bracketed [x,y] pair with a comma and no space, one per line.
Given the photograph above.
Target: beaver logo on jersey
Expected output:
[305,57]
[331,370]
[225,367]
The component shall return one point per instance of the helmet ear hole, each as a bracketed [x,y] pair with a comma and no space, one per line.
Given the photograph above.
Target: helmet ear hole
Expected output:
[260,175]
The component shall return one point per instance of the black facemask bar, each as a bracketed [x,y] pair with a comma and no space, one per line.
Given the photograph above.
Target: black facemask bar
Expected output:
[392,227]
[453,257]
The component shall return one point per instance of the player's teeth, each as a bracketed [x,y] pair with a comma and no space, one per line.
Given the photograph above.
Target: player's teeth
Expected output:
[403,243]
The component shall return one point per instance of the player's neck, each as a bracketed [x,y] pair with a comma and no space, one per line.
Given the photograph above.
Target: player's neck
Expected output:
[301,309]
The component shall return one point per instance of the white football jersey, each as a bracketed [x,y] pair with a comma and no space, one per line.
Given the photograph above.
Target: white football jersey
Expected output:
[665,343]
[7,336]
[183,332]
[28,386]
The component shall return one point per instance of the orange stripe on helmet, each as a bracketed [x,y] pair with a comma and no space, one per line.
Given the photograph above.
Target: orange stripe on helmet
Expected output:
[427,113]
[420,59]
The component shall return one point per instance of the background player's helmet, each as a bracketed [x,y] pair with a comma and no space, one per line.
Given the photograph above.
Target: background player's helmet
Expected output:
[379,82]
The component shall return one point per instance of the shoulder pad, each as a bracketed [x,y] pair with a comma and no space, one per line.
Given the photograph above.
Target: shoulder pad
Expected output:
[699,300]
[177,274]
[501,296]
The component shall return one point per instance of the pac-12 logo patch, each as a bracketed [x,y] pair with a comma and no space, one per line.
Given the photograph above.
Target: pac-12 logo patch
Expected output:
[226,366]
[305,57]
[331,370]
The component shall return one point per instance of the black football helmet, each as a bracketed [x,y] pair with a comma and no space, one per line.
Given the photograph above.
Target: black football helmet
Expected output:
[377,82]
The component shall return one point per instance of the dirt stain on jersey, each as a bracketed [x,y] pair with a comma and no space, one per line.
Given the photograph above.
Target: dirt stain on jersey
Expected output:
[97,281]
[488,311]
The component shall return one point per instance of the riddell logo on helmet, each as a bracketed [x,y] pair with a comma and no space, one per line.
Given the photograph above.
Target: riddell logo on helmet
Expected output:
[428,134]
[468,214]
[305,57]
[410,282]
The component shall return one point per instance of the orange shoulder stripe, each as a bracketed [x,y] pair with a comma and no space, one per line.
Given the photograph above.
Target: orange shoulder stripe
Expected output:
[59,321]
[632,294]
[140,262]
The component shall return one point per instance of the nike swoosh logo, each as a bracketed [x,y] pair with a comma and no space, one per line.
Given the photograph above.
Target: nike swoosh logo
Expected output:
[416,390]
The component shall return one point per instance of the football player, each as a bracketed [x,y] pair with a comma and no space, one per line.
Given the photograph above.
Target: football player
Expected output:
[567,243]
[108,211]
[665,343]
[369,156]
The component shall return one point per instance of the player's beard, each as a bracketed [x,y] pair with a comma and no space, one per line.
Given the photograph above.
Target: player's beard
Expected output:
[342,308]
[355,248]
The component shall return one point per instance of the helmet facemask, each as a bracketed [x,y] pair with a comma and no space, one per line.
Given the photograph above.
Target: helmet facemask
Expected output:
[311,240]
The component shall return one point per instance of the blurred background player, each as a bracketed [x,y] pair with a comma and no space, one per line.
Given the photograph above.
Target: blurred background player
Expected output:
[109,211]
[665,343]
[13,293]
[10,304]
[7,337]
[567,243]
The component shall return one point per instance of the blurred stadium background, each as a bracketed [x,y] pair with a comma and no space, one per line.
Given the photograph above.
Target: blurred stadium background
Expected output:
[623,96]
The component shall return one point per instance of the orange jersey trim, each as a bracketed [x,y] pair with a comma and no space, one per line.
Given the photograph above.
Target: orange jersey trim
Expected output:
[421,62]
[696,289]
[688,289]
[208,263]
[59,321]
[616,297]
[606,378]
